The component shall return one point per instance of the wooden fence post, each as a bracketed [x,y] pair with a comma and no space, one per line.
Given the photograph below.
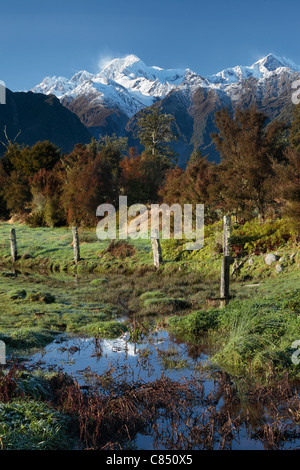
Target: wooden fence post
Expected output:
[76,245]
[225,267]
[156,248]
[13,245]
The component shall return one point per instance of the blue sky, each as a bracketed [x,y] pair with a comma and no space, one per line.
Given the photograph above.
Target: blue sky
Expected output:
[62,37]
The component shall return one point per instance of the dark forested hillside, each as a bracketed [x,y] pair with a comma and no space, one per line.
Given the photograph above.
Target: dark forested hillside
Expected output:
[40,117]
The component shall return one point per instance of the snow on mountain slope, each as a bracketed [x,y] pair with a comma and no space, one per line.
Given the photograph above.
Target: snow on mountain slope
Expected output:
[129,85]
[125,71]
[261,69]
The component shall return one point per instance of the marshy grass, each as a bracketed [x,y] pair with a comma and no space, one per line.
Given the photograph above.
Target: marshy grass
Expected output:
[254,334]
[171,359]
[152,295]
[252,337]
[196,323]
[165,304]
[259,328]
[30,318]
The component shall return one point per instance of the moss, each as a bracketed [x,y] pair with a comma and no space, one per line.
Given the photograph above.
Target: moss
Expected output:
[111,329]
[195,323]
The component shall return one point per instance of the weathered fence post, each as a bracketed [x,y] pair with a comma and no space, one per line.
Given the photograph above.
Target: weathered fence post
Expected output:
[76,245]
[156,248]
[13,245]
[225,268]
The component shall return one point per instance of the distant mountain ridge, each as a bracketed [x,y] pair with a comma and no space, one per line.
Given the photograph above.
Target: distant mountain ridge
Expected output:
[130,85]
[111,100]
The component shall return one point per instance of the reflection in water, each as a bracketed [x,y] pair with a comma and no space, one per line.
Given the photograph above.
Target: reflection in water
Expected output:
[146,359]
[210,411]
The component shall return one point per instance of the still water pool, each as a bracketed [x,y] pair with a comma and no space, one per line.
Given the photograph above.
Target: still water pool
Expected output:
[221,409]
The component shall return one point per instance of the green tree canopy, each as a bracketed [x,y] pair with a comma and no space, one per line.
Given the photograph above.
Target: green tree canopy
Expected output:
[248,149]
[29,160]
[288,184]
[155,133]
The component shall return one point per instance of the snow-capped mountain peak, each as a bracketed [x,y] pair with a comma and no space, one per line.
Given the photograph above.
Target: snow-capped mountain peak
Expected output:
[261,69]
[130,68]
[127,81]
[81,77]
[272,62]
[129,85]
[57,86]
[121,66]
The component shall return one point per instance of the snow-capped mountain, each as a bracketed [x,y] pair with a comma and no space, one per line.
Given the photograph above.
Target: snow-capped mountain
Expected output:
[109,101]
[262,69]
[127,84]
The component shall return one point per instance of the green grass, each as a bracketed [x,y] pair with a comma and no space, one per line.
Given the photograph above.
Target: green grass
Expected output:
[152,295]
[255,332]
[99,281]
[30,318]
[164,303]
[47,248]
[195,323]
[111,329]
[259,325]
[34,308]
[22,339]
[251,336]
[32,425]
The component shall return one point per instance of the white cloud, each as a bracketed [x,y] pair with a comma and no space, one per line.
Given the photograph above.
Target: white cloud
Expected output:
[104,60]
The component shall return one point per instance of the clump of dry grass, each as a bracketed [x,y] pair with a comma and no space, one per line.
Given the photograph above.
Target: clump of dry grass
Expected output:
[120,249]
[181,414]
[177,414]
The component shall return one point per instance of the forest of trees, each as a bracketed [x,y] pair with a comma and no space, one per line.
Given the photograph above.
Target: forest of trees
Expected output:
[258,174]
